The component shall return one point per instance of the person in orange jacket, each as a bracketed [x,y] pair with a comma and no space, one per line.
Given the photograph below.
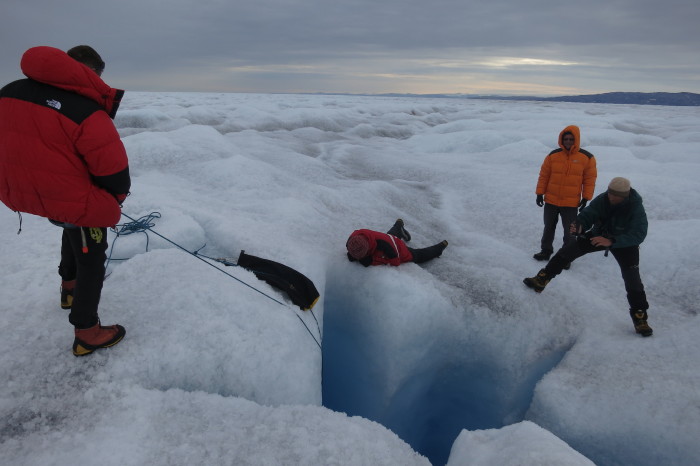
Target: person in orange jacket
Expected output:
[565,185]
[369,247]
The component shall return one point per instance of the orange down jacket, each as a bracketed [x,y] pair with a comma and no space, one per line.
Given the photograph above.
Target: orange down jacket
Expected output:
[60,154]
[567,176]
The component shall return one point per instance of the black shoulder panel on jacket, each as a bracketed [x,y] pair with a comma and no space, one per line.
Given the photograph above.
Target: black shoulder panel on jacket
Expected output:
[117,183]
[117,101]
[586,153]
[69,104]
[555,151]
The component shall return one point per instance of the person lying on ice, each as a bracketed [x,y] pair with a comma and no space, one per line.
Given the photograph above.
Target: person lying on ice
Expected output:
[370,247]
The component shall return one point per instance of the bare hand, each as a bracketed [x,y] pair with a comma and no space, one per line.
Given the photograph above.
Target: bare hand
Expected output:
[600,241]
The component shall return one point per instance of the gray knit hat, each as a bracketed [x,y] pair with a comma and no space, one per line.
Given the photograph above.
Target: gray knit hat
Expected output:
[619,187]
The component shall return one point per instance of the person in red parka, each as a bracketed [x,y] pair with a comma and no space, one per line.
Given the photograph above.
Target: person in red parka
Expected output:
[565,185]
[61,157]
[370,247]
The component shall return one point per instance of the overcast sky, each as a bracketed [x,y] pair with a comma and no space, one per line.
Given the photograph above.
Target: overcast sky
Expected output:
[532,47]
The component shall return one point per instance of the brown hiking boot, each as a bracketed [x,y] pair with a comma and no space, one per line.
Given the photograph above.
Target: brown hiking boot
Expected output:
[88,340]
[538,282]
[639,319]
[67,294]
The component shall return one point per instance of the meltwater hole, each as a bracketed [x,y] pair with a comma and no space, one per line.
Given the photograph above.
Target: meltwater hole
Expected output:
[432,406]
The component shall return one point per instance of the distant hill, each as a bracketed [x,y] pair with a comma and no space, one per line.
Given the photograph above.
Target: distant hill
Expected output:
[684,99]
[635,98]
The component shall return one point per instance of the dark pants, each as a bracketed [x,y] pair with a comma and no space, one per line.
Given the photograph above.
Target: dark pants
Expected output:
[551,218]
[419,255]
[426,254]
[627,259]
[87,268]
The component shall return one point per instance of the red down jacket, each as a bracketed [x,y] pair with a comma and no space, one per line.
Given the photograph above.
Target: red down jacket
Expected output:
[377,255]
[60,154]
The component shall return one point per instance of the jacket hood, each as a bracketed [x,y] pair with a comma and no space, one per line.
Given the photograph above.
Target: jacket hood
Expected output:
[54,67]
[633,198]
[577,138]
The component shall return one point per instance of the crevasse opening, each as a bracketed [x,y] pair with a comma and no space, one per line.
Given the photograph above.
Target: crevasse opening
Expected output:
[427,405]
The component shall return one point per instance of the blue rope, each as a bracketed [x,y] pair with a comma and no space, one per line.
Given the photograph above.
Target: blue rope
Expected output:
[138,226]
[142,225]
[145,224]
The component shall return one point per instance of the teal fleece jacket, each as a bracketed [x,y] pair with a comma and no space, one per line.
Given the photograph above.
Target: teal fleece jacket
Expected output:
[625,223]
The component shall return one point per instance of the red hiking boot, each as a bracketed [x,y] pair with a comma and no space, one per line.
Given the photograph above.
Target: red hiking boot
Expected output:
[88,340]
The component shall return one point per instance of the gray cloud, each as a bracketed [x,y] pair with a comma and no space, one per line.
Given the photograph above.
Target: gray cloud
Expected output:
[537,46]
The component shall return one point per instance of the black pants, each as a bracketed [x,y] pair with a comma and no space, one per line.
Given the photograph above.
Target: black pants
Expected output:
[425,254]
[627,259]
[419,255]
[87,268]
[551,218]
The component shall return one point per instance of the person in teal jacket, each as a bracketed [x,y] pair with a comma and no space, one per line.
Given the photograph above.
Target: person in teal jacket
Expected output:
[614,222]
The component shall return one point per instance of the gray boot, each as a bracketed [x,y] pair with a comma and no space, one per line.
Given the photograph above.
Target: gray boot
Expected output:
[399,231]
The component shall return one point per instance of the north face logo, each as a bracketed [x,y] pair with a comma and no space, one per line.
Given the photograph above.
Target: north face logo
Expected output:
[54,103]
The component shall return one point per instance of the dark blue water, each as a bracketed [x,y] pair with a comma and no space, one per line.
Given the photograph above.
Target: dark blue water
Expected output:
[431,407]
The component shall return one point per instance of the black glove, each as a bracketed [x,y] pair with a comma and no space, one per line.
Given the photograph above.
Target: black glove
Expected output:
[350,258]
[582,205]
[540,200]
[386,249]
